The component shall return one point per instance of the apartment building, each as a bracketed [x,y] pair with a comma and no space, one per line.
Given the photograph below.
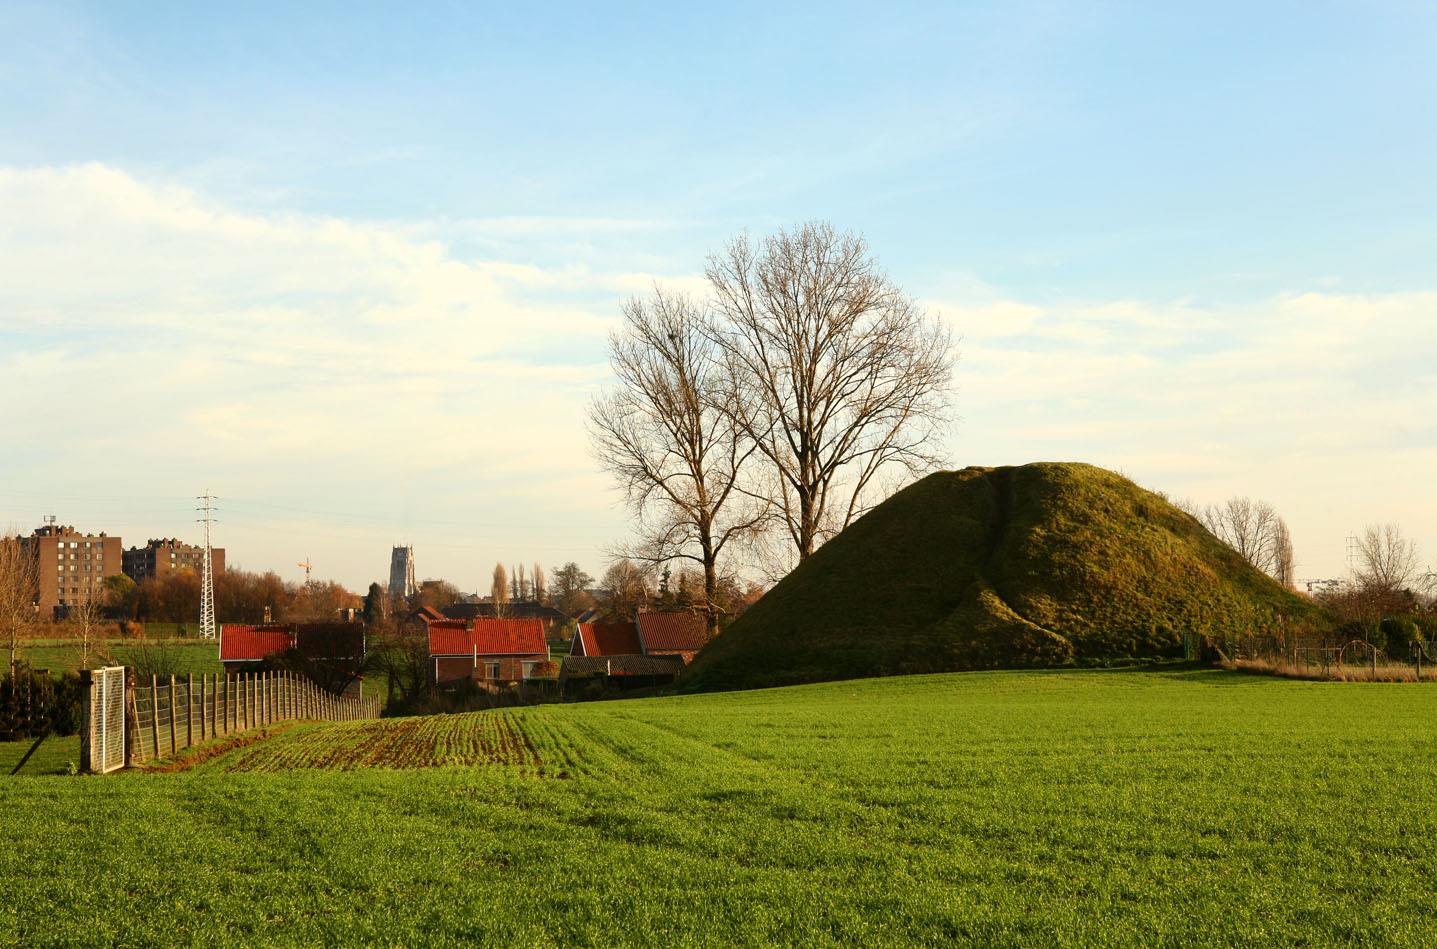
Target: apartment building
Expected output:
[166,555]
[72,566]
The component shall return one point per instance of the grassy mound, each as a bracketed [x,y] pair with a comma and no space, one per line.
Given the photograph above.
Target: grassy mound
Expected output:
[1041,565]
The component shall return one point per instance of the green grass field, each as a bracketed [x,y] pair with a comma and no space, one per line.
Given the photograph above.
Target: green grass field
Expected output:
[1030,807]
[54,756]
[65,655]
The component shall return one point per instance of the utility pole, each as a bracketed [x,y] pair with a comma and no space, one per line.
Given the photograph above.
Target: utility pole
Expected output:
[207,577]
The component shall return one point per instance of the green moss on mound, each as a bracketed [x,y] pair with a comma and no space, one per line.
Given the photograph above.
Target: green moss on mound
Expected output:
[1046,564]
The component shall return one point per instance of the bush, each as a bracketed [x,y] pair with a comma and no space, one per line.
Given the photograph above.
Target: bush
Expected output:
[34,703]
[1400,633]
[154,659]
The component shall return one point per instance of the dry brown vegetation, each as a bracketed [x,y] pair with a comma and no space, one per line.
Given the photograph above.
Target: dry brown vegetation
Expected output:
[1383,671]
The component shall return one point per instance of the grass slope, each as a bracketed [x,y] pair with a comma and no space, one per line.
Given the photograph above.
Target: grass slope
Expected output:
[1041,565]
[1081,807]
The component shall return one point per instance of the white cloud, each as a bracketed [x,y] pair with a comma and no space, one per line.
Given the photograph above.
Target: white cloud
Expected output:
[157,343]
[1323,403]
[287,356]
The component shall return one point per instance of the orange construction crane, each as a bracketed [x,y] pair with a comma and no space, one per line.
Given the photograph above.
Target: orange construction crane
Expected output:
[307,568]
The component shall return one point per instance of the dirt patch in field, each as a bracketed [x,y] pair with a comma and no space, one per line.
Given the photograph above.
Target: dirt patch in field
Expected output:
[193,757]
[479,738]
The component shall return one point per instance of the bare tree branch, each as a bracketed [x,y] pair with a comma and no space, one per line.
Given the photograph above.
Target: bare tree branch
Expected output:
[846,377]
[669,434]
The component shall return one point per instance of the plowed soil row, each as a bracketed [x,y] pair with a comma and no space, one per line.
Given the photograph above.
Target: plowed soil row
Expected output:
[427,742]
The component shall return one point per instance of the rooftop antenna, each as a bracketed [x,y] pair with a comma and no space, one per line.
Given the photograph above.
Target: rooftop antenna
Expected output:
[49,520]
[207,576]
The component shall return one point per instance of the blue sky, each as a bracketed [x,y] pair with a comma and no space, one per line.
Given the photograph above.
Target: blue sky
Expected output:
[1235,200]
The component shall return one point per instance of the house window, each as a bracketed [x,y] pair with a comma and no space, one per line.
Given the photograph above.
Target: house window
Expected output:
[529,668]
[491,670]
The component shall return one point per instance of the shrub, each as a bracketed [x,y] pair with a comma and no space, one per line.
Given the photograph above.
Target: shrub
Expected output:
[34,703]
[1399,633]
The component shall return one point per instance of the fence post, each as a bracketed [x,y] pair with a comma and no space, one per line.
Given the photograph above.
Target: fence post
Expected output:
[132,719]
[174,708]
[189,709]
[155,713]
[87,721]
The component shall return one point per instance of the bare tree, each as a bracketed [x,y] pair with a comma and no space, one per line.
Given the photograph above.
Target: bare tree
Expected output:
[627,589]
[499,591]
[1245,525]
[1282,563]
[89,613]
[541,589]
[570,582]
[669,436]
[1255,531]
[1387,561]
[846,379]
[19,586]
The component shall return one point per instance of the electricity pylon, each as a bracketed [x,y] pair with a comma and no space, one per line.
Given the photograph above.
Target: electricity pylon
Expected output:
[207,578]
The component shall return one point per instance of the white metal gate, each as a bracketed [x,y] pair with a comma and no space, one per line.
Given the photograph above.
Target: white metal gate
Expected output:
[104,725]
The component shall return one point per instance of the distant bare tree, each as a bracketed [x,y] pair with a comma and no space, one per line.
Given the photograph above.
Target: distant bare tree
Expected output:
[570,582]
[541,589]
[1386,560]
[1282,564]
[88,614]
[669,436]
[1255,531]
[19,585]
[844,378]
[1245,525]
[499,591]
[627,588]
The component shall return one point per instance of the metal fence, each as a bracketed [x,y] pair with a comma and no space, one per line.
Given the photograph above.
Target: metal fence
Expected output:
[163,716]
[1324,657]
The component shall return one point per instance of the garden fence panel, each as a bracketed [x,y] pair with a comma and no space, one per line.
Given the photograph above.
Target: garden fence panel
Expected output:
[102,726]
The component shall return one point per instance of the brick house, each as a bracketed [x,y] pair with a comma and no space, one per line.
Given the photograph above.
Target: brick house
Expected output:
[679,635]
[483,650]
[606,639]
[672,634]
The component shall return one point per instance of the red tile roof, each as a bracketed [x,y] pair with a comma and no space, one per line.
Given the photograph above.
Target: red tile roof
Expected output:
[239,643]
[509,636]
[448,637]
[487,637]
[672,632]
[609,639]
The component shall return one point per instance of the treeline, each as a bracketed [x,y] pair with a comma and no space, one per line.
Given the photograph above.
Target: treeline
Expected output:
[1391,600]
[240,597]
